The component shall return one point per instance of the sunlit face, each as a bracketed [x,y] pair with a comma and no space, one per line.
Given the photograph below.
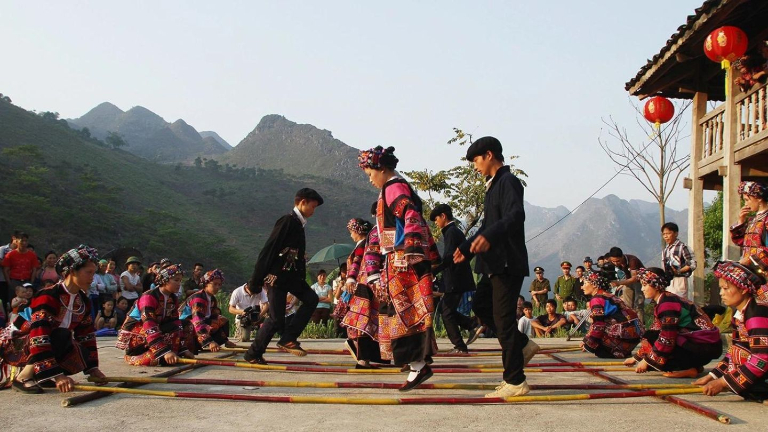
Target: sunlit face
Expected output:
[579,272]
[668,235]
[615,261]
[569,306]
[731,294]
[752,202]
[540,276]
[378,178]
[307,208]
[483,163]
[174,283]
[356,237]
[50,260]
[111,266]
[527,312]
[566,271]
[649,292]
[588,288]
[213,287]
[82,277]
[103,267]
[550,308]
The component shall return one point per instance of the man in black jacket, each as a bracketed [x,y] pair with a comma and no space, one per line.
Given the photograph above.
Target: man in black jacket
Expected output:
[502,259]
[457,279]
[281,267]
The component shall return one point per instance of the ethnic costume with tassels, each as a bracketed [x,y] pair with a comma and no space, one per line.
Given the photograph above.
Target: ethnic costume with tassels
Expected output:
[681,337]
[615,329]
[61,334]
[402,268]
[207,323]
[362,317]
[752,235]
[14,347]
[153,329]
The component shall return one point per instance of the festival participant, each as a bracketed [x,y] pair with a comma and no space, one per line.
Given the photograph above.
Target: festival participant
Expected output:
[210,329]
[743,370]
[615,329]
[401,272]
[362,317]
[544,325]
[457,278]
[682,339]
[502,258]
[751,233]
[152,334]
[282,265]
[61,333]
[249,309]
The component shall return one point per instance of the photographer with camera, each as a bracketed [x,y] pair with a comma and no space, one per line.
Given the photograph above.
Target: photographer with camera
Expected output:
[627,284]
[249,310]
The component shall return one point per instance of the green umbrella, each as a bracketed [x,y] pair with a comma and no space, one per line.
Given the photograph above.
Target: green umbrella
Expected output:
[332,252]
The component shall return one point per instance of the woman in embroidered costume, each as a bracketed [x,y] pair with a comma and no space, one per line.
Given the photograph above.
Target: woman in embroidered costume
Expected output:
[152,335]
[61,332]
[682,339]
[210,329]
[400,273]
[362,317]
[615,329]
[744,368]
[752,233]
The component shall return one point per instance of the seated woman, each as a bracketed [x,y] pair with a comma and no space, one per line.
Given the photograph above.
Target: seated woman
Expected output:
[615,329]
[743,369]
[682,338]
[209,329]
[152,333]
[61,333]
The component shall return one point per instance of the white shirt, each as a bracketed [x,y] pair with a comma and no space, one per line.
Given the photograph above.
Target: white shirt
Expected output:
[134,279]
[524,325]
[67,320]
[242,300]
[301,216]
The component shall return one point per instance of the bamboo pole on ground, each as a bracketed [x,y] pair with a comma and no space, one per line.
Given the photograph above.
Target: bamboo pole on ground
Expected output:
[390,401]
[280,361]
[344,352]
[376,385]
[706,412]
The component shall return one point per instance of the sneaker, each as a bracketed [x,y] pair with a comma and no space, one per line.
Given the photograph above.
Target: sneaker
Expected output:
[530,349]
[293,348]
[475,333]
[509,390]
[350,346]
[259,360]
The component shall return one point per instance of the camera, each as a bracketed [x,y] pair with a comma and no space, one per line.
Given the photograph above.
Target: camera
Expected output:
[608,271]
[250,317]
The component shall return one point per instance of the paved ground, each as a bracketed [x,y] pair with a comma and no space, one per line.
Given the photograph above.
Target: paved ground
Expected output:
[132,412]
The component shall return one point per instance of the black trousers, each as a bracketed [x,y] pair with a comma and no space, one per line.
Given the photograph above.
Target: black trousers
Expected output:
[453,320]
[495,303]
[275,323]
[689,355]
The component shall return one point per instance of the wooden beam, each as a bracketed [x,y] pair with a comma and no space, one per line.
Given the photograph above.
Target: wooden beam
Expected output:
[696,197]
[731,198]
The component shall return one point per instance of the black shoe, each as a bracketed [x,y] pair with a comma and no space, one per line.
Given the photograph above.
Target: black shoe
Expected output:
[28,387]
[47,384]
[475,333]
[292,347]
[458,351]
[428,360]
[256,360]
[424,374]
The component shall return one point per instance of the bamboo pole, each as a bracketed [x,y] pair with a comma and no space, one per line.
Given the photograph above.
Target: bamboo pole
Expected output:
[376,385]
[706,412]
[80,399]
[390,401]
[344,351]
[443,354]
[280,361]
[378,371]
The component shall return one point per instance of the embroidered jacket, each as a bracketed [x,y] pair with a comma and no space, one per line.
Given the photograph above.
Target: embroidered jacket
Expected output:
[49,312]
[752,236]
[610,315]
[746,362]
[201,308]
[153,309]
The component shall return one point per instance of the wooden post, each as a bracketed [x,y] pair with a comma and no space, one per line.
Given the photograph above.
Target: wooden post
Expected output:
[696,199]
[731,199]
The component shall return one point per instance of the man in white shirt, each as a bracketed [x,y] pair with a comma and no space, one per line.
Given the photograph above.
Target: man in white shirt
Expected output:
[130,281]
[524,322]
[248,308]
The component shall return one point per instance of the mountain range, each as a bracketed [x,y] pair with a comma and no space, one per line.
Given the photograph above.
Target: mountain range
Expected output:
[77,189]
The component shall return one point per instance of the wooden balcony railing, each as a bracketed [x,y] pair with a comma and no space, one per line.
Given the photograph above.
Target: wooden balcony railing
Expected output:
[713,126]
[751,113]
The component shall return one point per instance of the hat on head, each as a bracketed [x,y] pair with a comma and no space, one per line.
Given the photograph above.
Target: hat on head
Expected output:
[649,277]
[755,189]
[309,195]
[359,226]
[749,277]
[167,273]
[587,259]
[538,270]
[212,275]
[483,145]
[440,209]
[565,264]
[74,258]
[133,259]
[103,261]
[28,285]
[596,279]
[377,158]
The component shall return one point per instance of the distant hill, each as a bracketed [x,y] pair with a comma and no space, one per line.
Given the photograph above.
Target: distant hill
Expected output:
[148,135]
[65,188]
[216,137]
[593,229]
[299,149]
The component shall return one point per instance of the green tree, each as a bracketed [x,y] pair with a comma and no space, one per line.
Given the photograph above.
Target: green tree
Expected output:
[462,187]
[198,162]
[713,228]
[115,140]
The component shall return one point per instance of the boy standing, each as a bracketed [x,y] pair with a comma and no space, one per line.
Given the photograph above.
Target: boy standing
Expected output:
[282,267]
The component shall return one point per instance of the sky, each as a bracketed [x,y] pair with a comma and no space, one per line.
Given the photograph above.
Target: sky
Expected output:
[540,76]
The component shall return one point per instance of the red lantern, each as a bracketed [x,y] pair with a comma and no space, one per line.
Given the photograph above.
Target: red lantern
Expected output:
[726,45]
[658,110]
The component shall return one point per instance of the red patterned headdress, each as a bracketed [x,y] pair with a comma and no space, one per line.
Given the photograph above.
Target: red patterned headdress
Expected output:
[648,277]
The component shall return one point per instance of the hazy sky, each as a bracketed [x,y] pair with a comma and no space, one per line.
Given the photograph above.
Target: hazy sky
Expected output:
[537,75]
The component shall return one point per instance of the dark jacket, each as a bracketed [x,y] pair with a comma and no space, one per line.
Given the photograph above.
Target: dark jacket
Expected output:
[282,254]
[456,277]
[504,228]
